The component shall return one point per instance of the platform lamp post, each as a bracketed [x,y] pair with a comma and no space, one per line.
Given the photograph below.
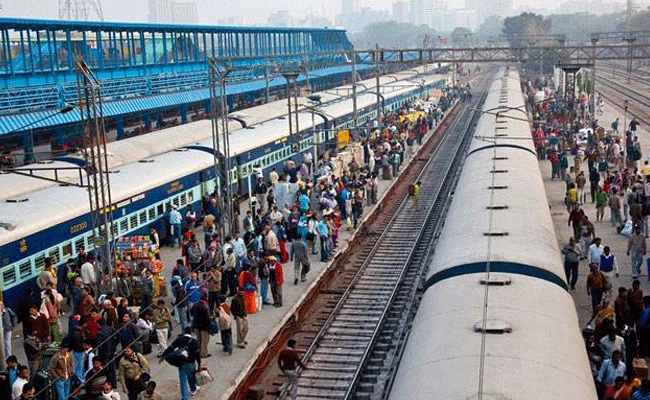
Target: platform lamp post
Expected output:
[315,100]
[219,70]
[625,105]
[292,76]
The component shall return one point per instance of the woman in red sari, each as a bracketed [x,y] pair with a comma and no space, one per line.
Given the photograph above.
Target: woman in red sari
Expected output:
[249,286]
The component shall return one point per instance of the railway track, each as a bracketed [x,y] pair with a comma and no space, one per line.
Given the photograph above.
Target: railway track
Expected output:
[350,350]
[617,93]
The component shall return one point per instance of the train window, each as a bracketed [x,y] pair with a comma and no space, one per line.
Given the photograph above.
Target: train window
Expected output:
[183,199]
[133,221]
[176,201]
[161,209]
[190,197]
[54,255]
[152,213]
[25,269]
[39,261]
[79,243]
[143,217]
[124,225]
[8,275]
[114,229]
[66,249]
[90,242]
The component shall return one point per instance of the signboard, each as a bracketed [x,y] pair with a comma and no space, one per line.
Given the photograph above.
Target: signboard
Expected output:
[342,138]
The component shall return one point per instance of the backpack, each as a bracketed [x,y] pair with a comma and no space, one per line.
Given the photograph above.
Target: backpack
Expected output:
[178,356]
[602,166]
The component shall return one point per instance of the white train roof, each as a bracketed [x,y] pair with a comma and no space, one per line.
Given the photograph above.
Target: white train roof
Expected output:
[144,146]
[543,357]
[499,217]
[56,204]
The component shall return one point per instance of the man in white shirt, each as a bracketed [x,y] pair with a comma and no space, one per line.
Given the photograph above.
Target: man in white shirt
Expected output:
[612,342]
[17,388]
[274,177]
[596,249]
[238,245]
[88,274]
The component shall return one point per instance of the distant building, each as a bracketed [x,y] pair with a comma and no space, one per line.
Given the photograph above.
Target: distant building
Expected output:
[466,19]
[400,11]
[349,6]
[421,12]
[484,9]
[159,11]
[280,18]
[184,12]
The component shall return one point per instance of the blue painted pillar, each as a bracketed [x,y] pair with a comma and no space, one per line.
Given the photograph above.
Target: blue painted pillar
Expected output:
[119,121]
[184,114]
[28,147]
[61,139]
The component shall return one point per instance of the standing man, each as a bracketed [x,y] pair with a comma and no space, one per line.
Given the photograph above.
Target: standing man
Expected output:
[241,319]
[61,370]
[289,361]
[9,321]
[176,220]
[88,274]
[300,259]
[162,319]
[130,370]
[193,290]
[260,193]
[23,378]
[596,286]
[636,249]
[202,323]
[572,254]
[187,369]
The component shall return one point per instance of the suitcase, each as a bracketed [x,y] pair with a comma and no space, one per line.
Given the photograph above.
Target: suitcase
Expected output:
[43,386]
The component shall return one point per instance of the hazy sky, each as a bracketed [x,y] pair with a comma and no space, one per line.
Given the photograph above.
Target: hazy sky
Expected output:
[211,11]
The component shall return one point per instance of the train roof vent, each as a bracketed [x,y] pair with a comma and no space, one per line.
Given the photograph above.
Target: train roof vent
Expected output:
[249,127]
[495,233]
[7,226]
[114,171]
[499,171]
[181,150]
[497,187]
[496,280]
[493,326]
[146,161]
[45,162]
[497,207]
[499,158]
[17,200]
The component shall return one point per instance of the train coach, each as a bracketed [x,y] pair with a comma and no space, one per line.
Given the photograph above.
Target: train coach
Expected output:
[496,320]
[55,222]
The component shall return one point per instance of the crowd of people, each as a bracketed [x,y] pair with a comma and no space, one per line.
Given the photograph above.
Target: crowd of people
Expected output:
[581,153]
[87,331]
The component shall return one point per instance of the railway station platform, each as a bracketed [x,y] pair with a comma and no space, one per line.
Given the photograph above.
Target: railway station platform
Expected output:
[229,370]
[555,191]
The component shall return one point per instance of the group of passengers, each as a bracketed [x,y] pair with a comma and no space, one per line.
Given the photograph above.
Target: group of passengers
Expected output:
[620,337]
[116,319]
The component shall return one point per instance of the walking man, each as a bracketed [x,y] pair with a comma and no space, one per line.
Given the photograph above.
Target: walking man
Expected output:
[162,319]
[636,249]
[300,259]
[187,369]
[241,319]
[61,370]
[572,254]
[289,361]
